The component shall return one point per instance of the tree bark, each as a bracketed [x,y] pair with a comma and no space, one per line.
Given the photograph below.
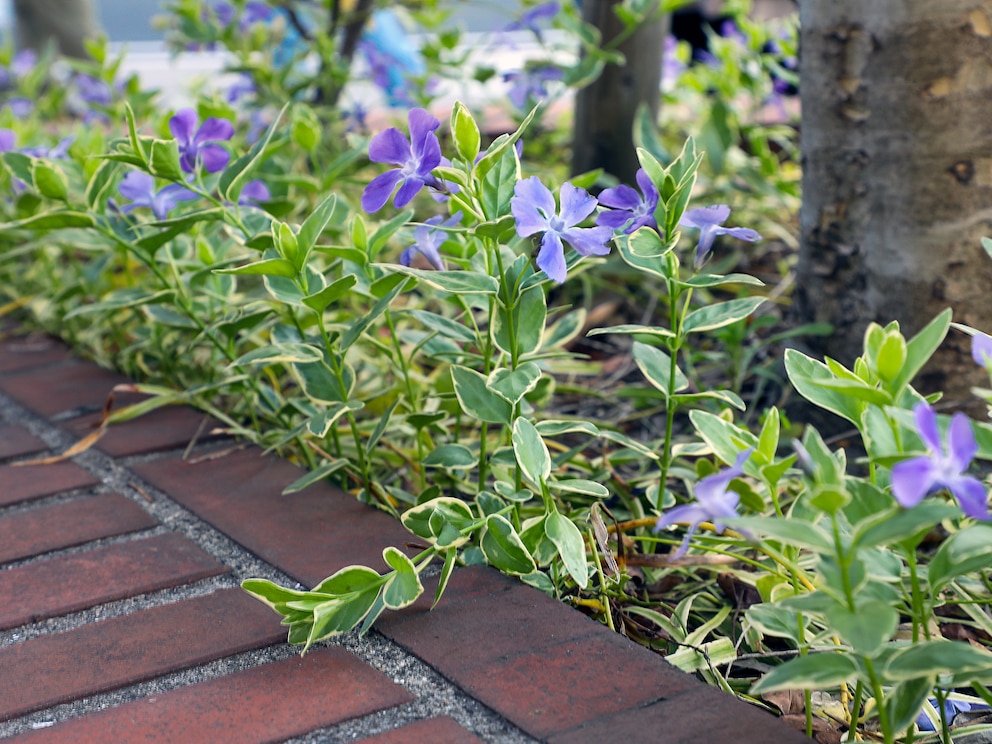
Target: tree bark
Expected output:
[67,23]
[897,173]
[605,111]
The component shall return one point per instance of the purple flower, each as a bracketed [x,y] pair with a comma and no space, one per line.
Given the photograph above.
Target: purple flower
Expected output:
[709,221]
[428,239]
[981,349]
[713,502]
[530,84]
[195,144]
[415,158]
[93,91]
[254,193]
[533,208]
[21,108]
[61,150]
[628,209]
[244,86]
[529,19]
[140,189]
[951,709]
[671,65]
[23,62]
[943,467]
[8,140]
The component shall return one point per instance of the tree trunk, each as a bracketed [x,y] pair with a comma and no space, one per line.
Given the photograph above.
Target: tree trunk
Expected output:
[67,23]
[897,173]
[605,111]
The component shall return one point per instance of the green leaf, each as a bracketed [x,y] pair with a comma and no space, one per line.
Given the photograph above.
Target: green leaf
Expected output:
[385,231]
[582,486]
[867,629]
[963,552]
[320,301]
[531,452]
[656,366]
[53,220]
[403,587]
[715,280]
[816,671]
[337,616]
[858,390]
[774,620]
[792,531]
[526,320]
[265,267]
[691,659]
[934,658]
[630,330]
[513,385]
[452,456]
[100,186]
[504,549]
[921,347]
[724,438]
[720,314]
[905,701]
[363,322]
[465,133]
[498,184]
[455,282]
[321,385]
[444,521]
[476,399]
[164,160]
[320,424]
[566,537]
[893,526]
[808,377]
[49,180]
[279,354]
[314,225]
[314,476]
[655,265]
[236,175]
[120,299]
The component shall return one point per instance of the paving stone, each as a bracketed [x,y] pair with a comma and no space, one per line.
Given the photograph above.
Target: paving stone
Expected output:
[25,352]
[70,523]
[483,620]
[440,730]
[556,688]
[165,428]
[701,714]
[61,387]
[58,668]
[25,482]
[270,702]
[74,582]
[16,441]
[309,534]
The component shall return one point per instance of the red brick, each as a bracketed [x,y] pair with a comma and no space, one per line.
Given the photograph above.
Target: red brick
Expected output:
[61,387]
[480,627]
[557,688]
[165,428]
[25,482]
[702,714]
[64,525]
[74,582]
[16,441]
[31,351]
[270,702]
[58,668]
[429,731]
[309,534]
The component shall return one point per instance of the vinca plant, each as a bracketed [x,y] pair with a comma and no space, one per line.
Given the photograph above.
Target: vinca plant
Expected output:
[397,315]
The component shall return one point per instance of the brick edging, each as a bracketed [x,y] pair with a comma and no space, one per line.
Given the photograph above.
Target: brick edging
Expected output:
[543,666]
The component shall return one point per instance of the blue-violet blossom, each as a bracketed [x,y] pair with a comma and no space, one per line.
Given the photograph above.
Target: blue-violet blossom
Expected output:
[533,208]
[530,84]
[140,189]
[428,239]
[713,502]
[254,193]
[943,467]
[415,157]
[981,349]
[628,209]
[709,221]
[529,19]
[195,145]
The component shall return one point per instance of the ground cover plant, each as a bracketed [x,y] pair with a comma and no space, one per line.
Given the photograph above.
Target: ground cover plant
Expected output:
[410,314]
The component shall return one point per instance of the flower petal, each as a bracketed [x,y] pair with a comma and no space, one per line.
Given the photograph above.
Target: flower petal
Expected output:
[981,349]
[961,444]
[912,480]
[407,190]
[551,257]
[589,241]
[379,189]
[182,125]
[647,188]
[429,154]
[390,146]
[705,216]
[214,158]
[972,496]
[741,233]
[576,204]
[620,197]
[532,206]
[213,130]
[926,426]
[137,186]
[423,124]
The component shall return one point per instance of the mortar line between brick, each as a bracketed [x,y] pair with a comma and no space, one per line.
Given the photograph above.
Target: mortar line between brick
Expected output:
[434,695]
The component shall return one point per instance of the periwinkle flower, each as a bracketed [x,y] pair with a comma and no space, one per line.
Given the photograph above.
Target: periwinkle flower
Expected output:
[530,84]
[139,187]
[244,86]
[533,208]
[58,152]
[943,467]
[671,65]
[629,210]
[981,349]
[713,502]
[427,240]
[196,145]
[20,107]
[415,158]
[951,709]
[8,140]
[93,91]
[529,19]
[709,221]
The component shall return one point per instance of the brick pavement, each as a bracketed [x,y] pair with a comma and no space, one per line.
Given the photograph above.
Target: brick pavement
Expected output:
[123,620]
